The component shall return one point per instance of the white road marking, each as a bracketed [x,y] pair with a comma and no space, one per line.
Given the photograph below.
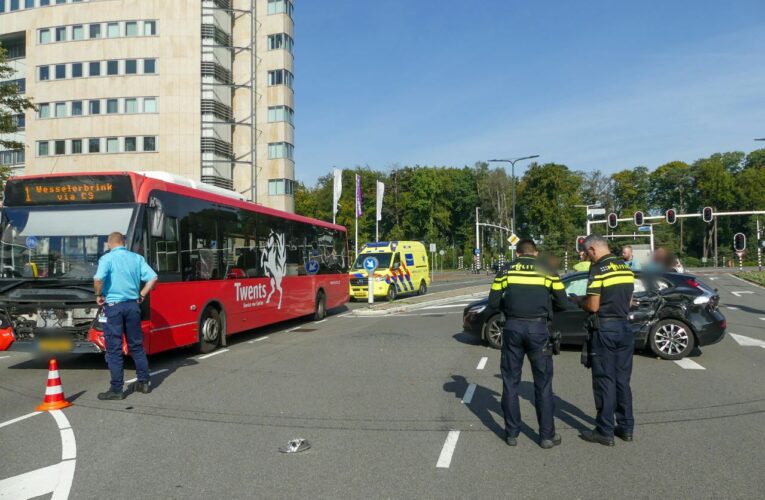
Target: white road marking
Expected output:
[762,319]
[733,308]
[163,370]
[257,340]
[482,363]
[322,321]
[712,278]
[344,314]
[445,458]
[406,315]
[221,351]
[19,419]
[689,364]
[448,306]
[468,397]
[741,292]
[3,357]
[747,341]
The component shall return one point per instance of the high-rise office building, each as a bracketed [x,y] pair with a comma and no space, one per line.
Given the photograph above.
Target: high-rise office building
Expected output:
[198,88]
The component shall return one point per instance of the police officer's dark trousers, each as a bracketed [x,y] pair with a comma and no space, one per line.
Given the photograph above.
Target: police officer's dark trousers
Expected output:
[612,349]
[523,337]
[124,318]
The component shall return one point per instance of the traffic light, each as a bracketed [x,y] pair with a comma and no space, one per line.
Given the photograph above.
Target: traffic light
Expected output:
[739,242]
[613,220]
[671,216]
[638,218]
[707,214]
[580,244]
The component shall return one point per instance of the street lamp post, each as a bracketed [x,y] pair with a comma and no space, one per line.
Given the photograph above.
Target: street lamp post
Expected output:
[512,161]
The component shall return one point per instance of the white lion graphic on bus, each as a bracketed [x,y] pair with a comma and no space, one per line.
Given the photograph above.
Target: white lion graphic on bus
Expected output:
[273,260]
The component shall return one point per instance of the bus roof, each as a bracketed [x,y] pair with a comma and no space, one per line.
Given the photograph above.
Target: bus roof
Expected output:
[145,182]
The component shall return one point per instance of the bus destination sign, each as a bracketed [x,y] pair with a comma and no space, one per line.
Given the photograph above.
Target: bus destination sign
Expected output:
[69,190]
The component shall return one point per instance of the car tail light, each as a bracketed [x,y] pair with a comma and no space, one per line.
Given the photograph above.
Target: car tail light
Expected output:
[692,282]
[724,324]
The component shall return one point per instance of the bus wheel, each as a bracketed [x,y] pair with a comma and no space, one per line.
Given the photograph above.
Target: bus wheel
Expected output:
[321,307]
[391,296]
[210,330]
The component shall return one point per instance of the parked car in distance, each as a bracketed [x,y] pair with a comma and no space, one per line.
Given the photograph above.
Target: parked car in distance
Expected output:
[671,314]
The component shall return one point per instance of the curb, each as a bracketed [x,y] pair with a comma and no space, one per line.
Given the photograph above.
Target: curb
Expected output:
[418,305]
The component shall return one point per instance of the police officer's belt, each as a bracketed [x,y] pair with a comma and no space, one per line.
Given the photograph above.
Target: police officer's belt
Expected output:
[535,320]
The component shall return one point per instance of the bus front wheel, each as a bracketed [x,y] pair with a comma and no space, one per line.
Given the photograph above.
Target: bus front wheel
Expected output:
[321,307]
[210,330]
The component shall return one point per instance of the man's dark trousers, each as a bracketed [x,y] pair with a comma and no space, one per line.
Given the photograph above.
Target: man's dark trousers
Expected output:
[612,349]
[124,317]
[523,337]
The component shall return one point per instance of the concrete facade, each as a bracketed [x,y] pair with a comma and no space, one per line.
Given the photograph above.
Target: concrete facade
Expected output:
[182,97]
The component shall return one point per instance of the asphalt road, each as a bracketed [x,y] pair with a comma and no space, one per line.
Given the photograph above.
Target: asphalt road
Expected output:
[400,406]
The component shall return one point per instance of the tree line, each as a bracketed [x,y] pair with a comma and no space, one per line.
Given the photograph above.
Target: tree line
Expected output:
[438,204]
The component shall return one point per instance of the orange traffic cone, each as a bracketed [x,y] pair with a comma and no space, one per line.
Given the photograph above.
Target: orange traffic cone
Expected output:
[54,393]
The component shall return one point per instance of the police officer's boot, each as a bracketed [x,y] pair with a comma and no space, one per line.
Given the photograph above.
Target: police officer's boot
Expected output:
[546,444]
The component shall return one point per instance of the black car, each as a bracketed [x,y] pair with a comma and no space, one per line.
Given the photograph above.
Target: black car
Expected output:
[671,314]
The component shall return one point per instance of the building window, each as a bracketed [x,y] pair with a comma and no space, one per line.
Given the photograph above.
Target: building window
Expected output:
[149,28]
[44,3]
[112,67]
[94,107]
[95,31]
[280,114]
[76,146]
[60,147]
[94,68]
[112,145]
[278,187]
[44,36]
[149,105]
[149,143]
[131,28]
[131,105]
[94,145]
[280,77]
[29,4]
[149,66]
[131,66]
[280,7]
[112,30]
[130,144]
[42,148]
[76,70]
[61,34]
[78,32]
[278,150]
[112,106]
[44,73]
[280,41]
[76,108]
[43,110]
[60,71]
[60,109]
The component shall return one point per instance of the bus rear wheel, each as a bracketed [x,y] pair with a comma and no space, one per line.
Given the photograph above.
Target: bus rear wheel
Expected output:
[211,330]
[321,307]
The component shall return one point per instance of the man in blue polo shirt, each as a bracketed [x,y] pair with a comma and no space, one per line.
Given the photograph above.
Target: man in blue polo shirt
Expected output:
[118,290]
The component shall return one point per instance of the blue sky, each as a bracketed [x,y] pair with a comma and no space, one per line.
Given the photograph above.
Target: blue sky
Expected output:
[593,84]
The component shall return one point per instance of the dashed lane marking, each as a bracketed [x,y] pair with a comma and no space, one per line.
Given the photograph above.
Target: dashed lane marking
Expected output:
[19,419]
[747,341]
[739,293]
[482,363]
[468,397]
[3,357]
[733,308]
[447,306]
[221,351]
[257,340]
[762,319]
[445,458]
[689,364]
[322,321]
[163,370]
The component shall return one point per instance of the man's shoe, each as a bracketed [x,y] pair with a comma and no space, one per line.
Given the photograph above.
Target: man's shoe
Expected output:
[110,395]
[143,387]
[594,436]
[623,435]
[546,444]
[511,441]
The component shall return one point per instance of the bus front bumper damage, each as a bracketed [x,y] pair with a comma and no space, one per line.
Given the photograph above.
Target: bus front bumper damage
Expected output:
[93,344]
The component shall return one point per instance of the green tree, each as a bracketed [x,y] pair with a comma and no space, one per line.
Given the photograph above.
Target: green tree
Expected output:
[631,190]
[670,187]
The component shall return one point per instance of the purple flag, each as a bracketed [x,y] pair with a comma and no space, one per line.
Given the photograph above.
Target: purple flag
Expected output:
[358,195]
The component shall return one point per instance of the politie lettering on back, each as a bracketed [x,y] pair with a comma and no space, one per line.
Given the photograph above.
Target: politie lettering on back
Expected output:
[250,292]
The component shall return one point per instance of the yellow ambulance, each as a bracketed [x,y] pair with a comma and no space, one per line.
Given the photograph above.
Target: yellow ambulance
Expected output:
[402,268]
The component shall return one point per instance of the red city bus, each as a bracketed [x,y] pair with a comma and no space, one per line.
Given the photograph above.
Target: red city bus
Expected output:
[225,265]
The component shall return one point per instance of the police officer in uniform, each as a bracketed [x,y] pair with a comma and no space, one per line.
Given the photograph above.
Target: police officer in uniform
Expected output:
[526,293]
[609,293]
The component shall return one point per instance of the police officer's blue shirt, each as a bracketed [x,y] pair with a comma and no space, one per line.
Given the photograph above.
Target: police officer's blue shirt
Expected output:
[122,272]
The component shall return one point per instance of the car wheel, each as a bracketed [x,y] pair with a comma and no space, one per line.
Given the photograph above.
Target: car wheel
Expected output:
[423,288]
[492,332]
[211,328]
[671,339]
[392,294]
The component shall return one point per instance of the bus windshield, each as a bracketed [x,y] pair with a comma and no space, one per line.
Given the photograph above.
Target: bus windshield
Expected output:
[45,242]
[383,260]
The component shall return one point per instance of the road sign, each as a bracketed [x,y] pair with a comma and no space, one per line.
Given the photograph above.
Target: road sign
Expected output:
[432,247]
[442,253]
[592,212]
[513,239]
[31,242]
[312,267]
[645,229]
[476,251]
[370,264]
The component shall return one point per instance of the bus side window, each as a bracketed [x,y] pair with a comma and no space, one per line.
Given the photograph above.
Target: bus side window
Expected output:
[165,247]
